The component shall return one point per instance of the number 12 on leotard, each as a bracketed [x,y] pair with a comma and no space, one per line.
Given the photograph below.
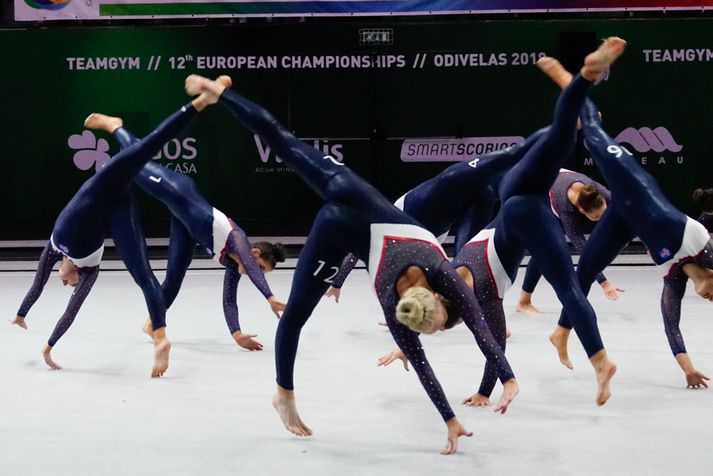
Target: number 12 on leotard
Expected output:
[330,278]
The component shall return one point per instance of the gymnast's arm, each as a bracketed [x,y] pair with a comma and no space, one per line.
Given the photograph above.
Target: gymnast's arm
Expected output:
[239,245]
[230,307]
[87,278]
[448,284]
[48,259]
[673,291]
[410,344]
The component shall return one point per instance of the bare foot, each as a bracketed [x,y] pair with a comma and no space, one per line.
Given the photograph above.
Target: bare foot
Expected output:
[559,339]
[224,80]
[597,63]
[46,351]
[162,347]
[148,327]
[18,321]
[555,71]
[284,403]
[208,91]
[103,122]
[476,400]
[510,391]
[527,308]
[605,369]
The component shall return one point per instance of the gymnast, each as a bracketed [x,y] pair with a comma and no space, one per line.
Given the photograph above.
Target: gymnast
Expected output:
[405,261]
[195,220]
[104,202]
[490,260]
[704,199]
[578,202]
[680,246]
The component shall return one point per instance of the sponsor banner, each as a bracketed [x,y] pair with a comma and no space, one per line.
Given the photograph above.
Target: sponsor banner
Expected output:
[445,90]
[454,150]
[33,10]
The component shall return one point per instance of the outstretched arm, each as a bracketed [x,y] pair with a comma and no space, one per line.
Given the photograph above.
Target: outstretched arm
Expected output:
[673,292]
[238,244]
[230,307]
[47,261]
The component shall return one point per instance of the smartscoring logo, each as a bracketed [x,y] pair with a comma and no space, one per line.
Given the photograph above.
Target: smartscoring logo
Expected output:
[48,4]
[449,149]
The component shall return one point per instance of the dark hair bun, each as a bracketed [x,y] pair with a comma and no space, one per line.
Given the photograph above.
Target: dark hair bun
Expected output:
[279,252]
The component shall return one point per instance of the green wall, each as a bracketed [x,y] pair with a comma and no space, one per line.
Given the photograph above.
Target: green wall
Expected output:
[366,112]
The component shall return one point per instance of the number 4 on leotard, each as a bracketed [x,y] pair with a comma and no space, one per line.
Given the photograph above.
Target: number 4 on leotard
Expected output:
[330,278]
[618,150]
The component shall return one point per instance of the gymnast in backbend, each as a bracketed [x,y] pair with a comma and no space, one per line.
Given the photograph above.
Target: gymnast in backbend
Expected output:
[680,246]
[104,203]
[194,220]
[407,264]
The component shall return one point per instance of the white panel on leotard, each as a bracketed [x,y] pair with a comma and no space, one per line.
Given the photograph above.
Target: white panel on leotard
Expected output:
[379,232]
[497,271]
[88,261]
[399,203]
[221,231]
[695,238]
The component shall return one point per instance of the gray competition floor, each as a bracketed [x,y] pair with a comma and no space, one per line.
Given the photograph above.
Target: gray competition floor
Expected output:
[211,414]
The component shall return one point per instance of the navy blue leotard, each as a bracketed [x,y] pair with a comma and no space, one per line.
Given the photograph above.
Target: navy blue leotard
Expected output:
[356,218]
[103,207]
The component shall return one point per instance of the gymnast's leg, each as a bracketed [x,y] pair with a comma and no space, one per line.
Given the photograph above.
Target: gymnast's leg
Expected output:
[319,260]
[529,219]
[606,242]
[129,241]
